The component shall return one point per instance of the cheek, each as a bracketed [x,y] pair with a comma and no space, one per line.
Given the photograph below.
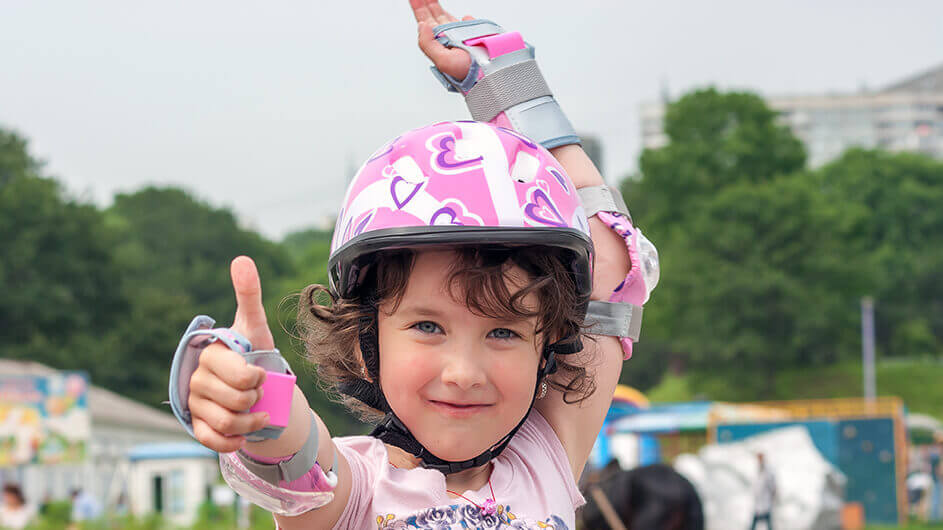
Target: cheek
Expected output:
[516,376]
[403,370]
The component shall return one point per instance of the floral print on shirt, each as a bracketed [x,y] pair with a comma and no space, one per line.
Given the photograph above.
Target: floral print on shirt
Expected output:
[465,517]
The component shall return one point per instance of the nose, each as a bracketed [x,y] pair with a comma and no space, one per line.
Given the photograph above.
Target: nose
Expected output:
[463,368]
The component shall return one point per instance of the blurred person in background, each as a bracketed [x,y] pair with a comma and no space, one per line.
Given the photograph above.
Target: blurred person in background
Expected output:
[15,513]
[764,494]
[919,491]
[85,507]
[936,473]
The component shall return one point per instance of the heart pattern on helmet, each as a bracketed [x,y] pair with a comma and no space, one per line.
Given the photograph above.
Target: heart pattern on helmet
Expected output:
[560,178]
[445,216]
[362,224]
[443,150]
[403,191]
[542,210]
[453,212]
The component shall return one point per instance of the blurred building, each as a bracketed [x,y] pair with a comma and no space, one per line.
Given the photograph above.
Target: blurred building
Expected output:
[172,478]
[136,456]
[904,116]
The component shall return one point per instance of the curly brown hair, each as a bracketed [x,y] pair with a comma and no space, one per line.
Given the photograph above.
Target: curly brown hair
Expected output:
[329,325]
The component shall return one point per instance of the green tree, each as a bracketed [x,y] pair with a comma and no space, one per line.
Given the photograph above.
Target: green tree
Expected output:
[755,274]
[174,251]
[714,140]
[766,282]
[893,206]
[57,274]
[15,160]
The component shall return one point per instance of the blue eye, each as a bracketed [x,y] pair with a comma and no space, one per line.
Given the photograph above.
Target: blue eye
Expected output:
[502,333]
[427,327]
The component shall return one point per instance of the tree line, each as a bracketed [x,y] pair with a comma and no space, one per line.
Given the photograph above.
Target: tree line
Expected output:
[763,260]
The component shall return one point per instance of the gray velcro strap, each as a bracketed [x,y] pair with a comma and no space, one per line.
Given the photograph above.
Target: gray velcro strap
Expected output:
[597,199]
[293,468]
[504,88]
[454,34]
[616,319]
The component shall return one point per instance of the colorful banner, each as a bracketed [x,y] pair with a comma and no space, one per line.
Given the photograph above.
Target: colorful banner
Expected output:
[44,419]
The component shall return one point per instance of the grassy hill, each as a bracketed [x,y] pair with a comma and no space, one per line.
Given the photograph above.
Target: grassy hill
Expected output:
[918,382]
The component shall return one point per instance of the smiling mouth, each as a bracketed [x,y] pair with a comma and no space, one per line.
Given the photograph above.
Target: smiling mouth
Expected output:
[458,409]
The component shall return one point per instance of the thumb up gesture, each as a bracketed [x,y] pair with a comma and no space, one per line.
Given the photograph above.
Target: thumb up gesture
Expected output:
[224,386]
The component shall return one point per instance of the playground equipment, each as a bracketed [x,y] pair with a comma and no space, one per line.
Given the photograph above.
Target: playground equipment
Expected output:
[865,439]
[626,401]
[663,431]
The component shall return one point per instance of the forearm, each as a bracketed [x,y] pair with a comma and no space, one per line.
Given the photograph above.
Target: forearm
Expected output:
[577,165]
[611,259]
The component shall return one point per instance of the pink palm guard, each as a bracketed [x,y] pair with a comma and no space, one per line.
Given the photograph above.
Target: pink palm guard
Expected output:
[499,44]
[276,398]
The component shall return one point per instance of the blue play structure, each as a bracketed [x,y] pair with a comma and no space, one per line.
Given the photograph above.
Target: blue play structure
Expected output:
[866,450]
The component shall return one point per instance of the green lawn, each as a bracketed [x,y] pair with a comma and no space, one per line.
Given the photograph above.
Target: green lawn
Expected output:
[918,383]
[909,526]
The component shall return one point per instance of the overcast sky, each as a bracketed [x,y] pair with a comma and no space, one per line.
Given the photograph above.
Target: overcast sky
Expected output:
[265,106]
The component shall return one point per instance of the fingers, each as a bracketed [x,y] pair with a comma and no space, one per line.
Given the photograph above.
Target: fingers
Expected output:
[452,61]
[441,15]
[221,389]
[433,49]
[430,11]
[205,384]
[218,361]
[221,429]
[214,440]
[420,11]
[250,313]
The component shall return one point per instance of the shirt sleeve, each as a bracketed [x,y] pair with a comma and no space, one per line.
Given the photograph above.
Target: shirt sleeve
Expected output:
[538,433]
[364,456]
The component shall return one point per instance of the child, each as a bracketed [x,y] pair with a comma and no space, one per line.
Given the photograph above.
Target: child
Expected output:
[461,272]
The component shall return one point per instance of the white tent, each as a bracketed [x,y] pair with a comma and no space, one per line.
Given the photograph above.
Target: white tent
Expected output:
[809,488]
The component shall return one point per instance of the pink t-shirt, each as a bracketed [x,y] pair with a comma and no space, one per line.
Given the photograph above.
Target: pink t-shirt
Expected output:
[532,481]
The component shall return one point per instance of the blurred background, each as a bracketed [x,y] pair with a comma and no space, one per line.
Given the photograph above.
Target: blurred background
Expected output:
[786,159]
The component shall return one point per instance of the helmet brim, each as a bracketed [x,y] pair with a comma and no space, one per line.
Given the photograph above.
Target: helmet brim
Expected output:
[347,262]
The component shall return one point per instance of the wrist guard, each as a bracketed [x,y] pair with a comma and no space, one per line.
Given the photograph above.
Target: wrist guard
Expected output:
[504,86]
[286,486]
[277,389]
[621,316]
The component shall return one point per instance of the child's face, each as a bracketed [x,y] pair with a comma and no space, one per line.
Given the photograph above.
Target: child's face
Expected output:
[458,380]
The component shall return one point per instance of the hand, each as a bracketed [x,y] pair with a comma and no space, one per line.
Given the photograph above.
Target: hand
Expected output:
[224,385]
[452,61]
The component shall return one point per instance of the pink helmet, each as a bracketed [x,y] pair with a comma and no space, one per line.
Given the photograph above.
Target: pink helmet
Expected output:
[457,183]
[454,183]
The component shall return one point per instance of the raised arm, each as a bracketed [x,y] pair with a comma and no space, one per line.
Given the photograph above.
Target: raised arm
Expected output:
[575,425]
[578,425]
